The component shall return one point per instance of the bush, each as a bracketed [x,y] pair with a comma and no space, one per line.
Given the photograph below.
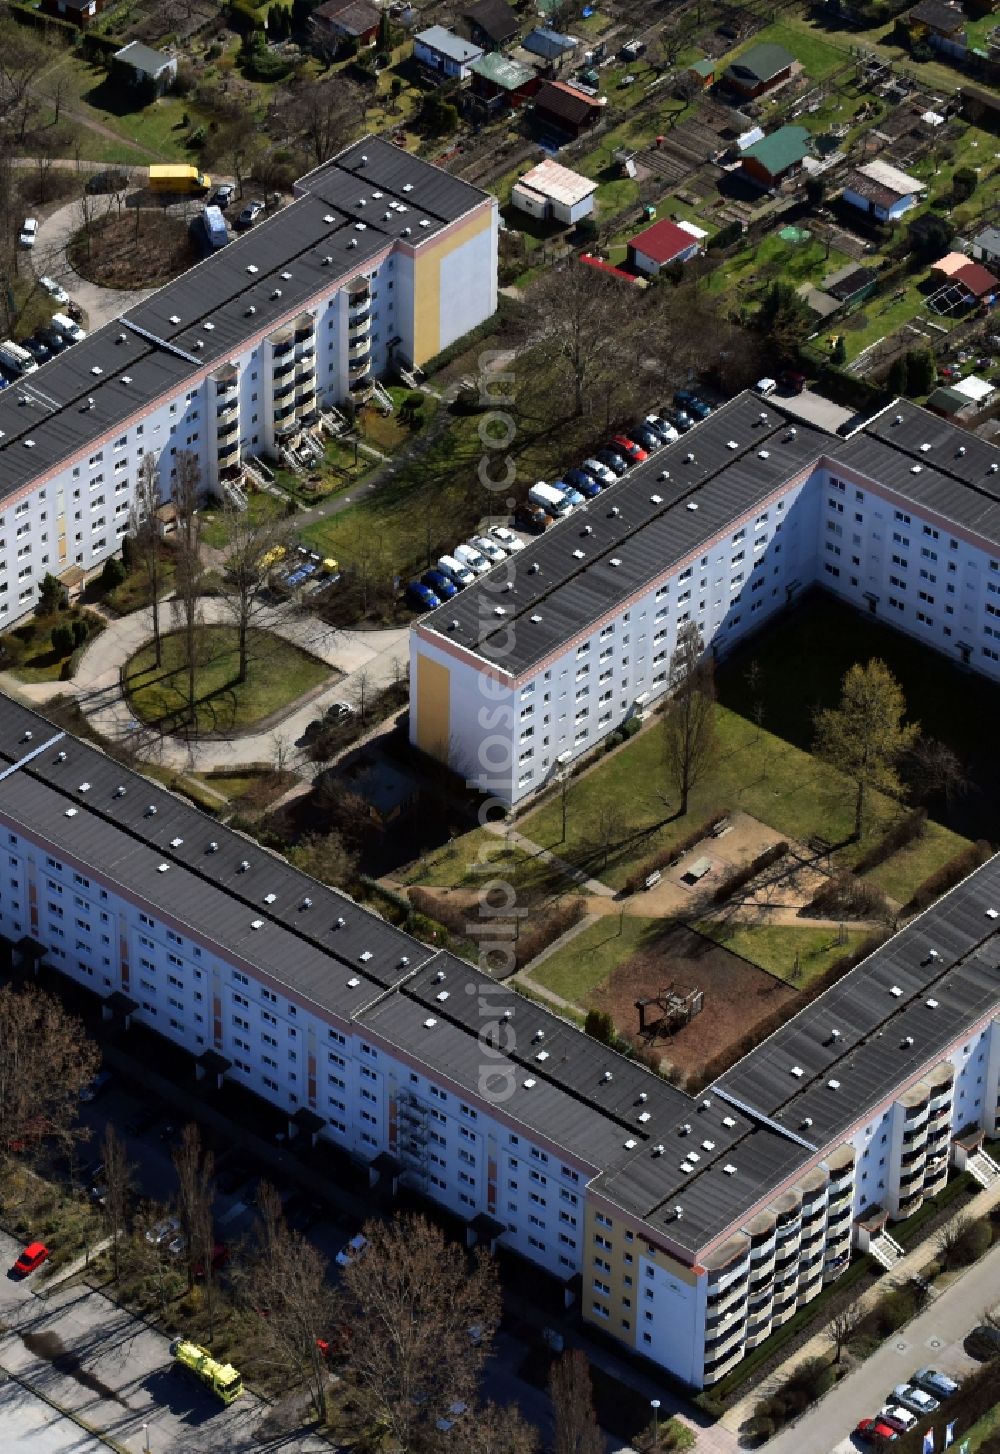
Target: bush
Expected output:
[726,236]
[62,639]
[11,652]
[845,897]
[740,877]
[974,1241]
[672,854]
[948,875]
[600,1026]
[613,740]
[112,575]
[904,831]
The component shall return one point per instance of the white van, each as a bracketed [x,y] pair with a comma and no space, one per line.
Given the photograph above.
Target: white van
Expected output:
[473,558]
[15,359]
[455,570]
[64,325]
[551,500]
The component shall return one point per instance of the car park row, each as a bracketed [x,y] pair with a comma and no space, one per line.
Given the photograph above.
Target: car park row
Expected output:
[547,503]
[905,1406]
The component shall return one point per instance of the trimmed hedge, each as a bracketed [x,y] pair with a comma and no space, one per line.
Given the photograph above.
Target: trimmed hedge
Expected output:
[948,875]
[740,877]
[904,831]
[671,854]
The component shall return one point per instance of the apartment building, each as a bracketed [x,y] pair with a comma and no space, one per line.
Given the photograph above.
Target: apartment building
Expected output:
[686,1228]
[549,652]
[381,258]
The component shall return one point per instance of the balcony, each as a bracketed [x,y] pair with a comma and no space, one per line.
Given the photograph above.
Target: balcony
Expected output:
[360,350]
[283,370]
[359,323]
[226,452]
[233,427]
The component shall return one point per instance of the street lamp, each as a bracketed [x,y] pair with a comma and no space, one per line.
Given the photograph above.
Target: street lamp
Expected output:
[145,1439]
[654,1404]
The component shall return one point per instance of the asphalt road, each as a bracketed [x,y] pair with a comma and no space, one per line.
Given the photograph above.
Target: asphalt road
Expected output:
[933,1339]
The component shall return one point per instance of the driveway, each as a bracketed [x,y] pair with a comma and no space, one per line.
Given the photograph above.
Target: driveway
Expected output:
[934,1338]
[49,257]
[374,658]
[85,1355]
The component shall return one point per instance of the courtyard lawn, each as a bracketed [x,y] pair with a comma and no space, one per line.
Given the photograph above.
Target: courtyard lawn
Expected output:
[791,791]
[279,674]
[773,260]
[591,956]
[776,947]
[261,507]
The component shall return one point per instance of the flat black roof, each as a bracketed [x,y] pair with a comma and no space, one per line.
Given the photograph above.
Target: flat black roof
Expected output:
[585,566]
[369,197]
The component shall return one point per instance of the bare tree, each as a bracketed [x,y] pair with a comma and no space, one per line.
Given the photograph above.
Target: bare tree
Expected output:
[118,1184]
[609,829]
[195,1167]
[419,1319]
[936,770]
[187,492]
[576,1430]
[250,553]
[843,1326]
[324,115]
[949,1238]
[362,683]
[287,1288]
[144,529]
[689,720]
[578,312]
[494,1430]
[45,1061]
[326,857]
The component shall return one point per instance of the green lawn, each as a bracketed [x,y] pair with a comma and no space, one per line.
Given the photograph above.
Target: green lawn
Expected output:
[590,958]
[774,947]
[261,507]
[279,674]
[787,788]
[772,260]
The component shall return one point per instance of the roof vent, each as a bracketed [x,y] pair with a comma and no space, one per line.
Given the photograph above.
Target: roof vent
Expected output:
[993,468]
[251,311]
[123,338]
[119,792]
[960,449]
[174,318]
[692,504]
[508,1014]
[924,448]
[275,292]
[329,218]
[631,1144]
[689,458]
[84,788]
[213,847]
[915,469]
[151,811]
[404,960]
[656,499]
[199,344]
[694,1156]
[834,1034]
[729,1121]
[287,277]
[732,444]
[534,568]
[615,561]
[687,1168]
[542,1055]
[614,512]
[327,261]
[60,757]
[589,529]
[729,1169]
[898,419]
[797,1071]
[708,1146]
[762,416]
[678,1212]
[536,618]
[407,186]
[686,1128]
[407,231]
[792,432]
[71,812]
[906,1043]
[270,898]
[26,735]
[763,454]
[352,242]
[365,955]
[377,196]
[209,327]
[353,982]
[659,1149]
[578,555]
[91,403]
[706,1105]
[244,866]
[834,1084]
[252,268]
[126,378]
[162,867]
[993,913]
[360,227]
[933,954]
[643,1116]
[29,444]
[643,1097]
[530,1083]
[607,1076]
[932,1004]
[362,160]
[176,842]
[307,902]
[806,1122]
[442,995]
[663,475]
[895,991]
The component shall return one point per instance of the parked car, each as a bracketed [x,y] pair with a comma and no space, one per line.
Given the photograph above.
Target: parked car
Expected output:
[39,351]
[354,1249]
[601,472]
[580,480]
[683,421]
[662,427]
[249,215]
[917,1400]
[163,1232]
[876,1432]
[511,543]
[765,386]
[456,569]
[614,461]
[896,1417]
[645,435]
[532,518]
[573,496]
[338,712]
[54,290]
[633,452]
[29,232]
[491,549]
[220,1256]
[983,1343]
[30,1259]
[792,381]
[684,399]
[52,338]
[177,1246]
[224,194]
[421,597]
[442,586]
[473,559]
[938,1384]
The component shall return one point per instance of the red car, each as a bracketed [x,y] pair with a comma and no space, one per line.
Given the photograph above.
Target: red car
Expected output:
[220,1256]
[31,1258]
[628,447]
[876,1433]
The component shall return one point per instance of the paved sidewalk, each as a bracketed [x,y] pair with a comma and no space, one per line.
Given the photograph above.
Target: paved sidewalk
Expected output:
[381,656]
[819,1345]
[576,875]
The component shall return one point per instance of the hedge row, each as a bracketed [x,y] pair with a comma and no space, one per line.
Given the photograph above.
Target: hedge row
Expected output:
[845,897]
[904,831]
[740,877]
[527,942]
[948,875]
[668,855]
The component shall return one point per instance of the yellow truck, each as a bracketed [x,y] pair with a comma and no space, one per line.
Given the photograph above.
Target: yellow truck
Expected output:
[222,1378]
[178,179]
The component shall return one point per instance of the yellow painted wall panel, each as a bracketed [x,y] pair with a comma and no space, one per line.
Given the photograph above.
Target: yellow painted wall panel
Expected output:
[433,707]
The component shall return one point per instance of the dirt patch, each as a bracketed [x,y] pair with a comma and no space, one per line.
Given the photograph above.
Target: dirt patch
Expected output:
[133,249]
[738,997]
